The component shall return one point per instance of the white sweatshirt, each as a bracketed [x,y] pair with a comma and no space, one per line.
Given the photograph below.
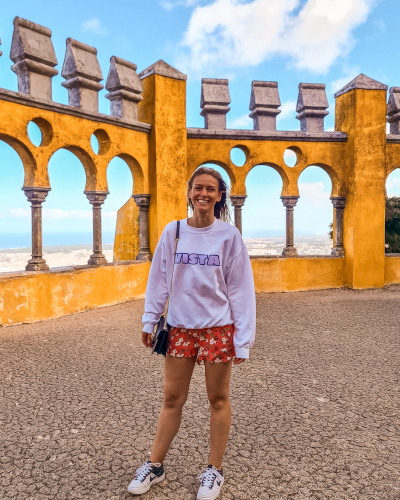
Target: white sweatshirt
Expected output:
[213,282]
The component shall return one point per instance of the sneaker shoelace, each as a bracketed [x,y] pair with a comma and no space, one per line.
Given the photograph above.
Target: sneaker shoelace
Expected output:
[208,476]
[145,470]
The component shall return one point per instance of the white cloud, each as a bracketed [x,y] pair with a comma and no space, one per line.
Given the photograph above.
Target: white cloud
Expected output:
[314,193]
[240,33]
[288,110]
[94,25]
[171,4]
[242,122]
[392,182]
[18,213]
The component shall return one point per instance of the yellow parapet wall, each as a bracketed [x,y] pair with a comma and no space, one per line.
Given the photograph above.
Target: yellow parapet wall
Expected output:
[35,296]
[392,270]
[298,274]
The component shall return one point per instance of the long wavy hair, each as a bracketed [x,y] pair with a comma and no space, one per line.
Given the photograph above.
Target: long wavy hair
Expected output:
[221,208]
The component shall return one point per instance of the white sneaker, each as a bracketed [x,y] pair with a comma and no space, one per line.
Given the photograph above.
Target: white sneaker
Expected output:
[211,481]
[147,475]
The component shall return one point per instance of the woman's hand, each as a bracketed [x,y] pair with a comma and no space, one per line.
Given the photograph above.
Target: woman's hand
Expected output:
[146,339]
[237,361]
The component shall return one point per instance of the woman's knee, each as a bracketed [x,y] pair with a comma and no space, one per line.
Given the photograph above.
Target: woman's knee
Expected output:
[218,401]
[174,401]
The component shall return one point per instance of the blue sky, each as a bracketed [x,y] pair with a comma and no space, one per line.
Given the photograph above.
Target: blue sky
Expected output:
[290,41]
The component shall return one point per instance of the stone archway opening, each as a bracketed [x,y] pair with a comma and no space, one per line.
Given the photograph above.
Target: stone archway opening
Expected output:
[313,220]
[263,212]
[15,212]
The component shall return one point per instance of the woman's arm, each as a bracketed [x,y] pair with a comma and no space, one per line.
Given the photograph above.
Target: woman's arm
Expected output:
[157,289]
[242,300]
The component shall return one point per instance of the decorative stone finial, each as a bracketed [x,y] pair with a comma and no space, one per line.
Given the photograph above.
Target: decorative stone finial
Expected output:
[393,110]
[214,103]
[33,53]
[125,88]
[311,105]
[163,69]
[82,73]
[361,82]
[264,104]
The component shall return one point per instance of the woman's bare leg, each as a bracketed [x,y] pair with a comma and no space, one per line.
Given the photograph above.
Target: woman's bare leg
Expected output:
[178,373]
[218,376]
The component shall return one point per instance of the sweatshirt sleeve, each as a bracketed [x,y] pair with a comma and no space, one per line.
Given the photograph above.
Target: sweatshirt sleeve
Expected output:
[242,300]
[157,289]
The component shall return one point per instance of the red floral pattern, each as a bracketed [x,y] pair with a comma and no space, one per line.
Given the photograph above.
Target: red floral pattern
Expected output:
[213,344]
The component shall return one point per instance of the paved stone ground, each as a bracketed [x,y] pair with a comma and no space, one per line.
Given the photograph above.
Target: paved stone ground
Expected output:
[316,408]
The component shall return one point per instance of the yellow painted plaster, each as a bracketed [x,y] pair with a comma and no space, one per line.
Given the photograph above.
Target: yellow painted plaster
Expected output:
[392,270]
[297,274]
[29,297]
[127,232]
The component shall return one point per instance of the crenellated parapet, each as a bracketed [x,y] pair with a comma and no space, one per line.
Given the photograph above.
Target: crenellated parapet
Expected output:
[214,103]
[264,104]
[311,107]
[34,58]
[81,70]
[125,89]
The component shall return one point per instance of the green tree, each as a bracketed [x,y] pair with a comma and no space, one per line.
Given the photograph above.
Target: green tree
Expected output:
[392,225]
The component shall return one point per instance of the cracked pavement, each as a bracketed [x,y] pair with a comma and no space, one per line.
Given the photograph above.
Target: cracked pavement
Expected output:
[316,409]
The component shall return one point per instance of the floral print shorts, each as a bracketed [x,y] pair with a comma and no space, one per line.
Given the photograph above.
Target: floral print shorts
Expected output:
[213,344]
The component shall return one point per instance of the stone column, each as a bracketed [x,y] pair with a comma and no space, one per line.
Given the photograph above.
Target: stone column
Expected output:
[96,199]
[36,196]
[289,202]
[238,202]
[339,202]
[143,202]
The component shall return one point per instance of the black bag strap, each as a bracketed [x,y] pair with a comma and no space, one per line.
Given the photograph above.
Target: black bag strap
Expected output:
[178,226]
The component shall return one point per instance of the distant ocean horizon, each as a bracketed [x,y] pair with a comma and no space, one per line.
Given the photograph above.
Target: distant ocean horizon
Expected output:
[77,248]
[23,240]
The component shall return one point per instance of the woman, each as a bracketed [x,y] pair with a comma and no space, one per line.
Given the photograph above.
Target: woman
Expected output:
[212,317]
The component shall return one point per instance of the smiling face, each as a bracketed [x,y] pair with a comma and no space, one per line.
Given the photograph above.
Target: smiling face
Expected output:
[204,193]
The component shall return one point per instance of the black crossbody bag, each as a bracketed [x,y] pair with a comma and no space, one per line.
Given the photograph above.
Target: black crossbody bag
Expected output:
[161,336]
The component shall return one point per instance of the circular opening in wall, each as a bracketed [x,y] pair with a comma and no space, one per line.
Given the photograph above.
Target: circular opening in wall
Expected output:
[40,132]
[238,156]
[34,134]
[95,144]
[100,142]
[290,157]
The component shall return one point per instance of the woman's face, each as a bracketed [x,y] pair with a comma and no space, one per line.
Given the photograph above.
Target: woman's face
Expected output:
[204,193]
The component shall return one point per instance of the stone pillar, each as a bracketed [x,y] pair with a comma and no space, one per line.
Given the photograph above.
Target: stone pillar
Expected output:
[311,106]
[82,73]
[214,103]
[34,58]
[264,104]
[361,112]
[238,202]
[96,199]
[143,202]
[125,89]
[164,107]
[36,196]
[289,202]
[393,110]
[339,202]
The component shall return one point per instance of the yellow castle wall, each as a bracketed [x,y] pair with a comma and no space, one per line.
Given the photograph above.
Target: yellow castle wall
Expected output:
[35,296]
[162,160]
